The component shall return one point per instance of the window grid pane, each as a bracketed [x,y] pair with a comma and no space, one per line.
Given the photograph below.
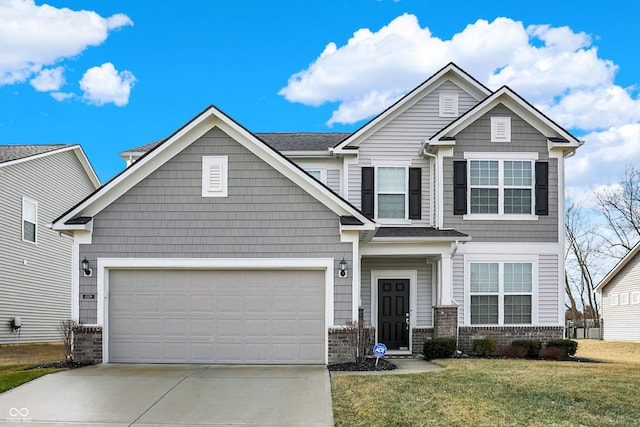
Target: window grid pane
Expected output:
[518,277]
[484,172]
[484,277]
[391,180]
[517,174]
[29,231]
[517,201]
[517,309]
[484,309]
[391,206]
[484,201]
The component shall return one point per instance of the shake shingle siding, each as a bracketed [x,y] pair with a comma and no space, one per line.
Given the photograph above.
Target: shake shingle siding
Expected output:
[264,216]
[35,279]
[525,139]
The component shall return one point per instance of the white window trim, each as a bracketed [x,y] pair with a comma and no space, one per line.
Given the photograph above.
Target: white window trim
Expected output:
[442,99]
[36,231]
[207,163]
[501,259]
[635,297]
[501,158]
[495,122]
[624,298]
[392,221]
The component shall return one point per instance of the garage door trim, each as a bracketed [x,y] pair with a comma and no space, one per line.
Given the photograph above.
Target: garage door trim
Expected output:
[104,264]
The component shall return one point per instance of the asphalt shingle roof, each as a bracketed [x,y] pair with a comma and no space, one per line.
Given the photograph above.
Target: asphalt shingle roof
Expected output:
[15,152]
[418,232]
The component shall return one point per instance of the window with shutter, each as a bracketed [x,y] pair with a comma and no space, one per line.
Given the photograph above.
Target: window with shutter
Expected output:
[448,105]
[500,129]
[214,176]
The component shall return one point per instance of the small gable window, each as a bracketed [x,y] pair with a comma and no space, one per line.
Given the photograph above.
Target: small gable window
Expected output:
[29,220]
[500,129]
[319,174]
[214,176]
[448,105]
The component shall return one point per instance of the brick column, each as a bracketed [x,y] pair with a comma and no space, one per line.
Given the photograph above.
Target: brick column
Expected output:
[87,344]
[445,321]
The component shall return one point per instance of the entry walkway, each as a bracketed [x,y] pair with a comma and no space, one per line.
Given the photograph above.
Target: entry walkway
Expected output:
[406,365]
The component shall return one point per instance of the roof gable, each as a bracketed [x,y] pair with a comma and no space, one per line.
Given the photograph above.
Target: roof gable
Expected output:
[618,268]
[162,152]
[557,136]
[15,154]
[450,72]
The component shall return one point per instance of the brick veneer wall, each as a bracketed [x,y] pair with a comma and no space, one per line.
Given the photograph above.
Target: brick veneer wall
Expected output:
[506,334]
[445,321]
[418,336]
[87,344]
[341,343]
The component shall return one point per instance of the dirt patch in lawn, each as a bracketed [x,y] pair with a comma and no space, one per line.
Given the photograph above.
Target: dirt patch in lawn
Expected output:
[610,351]
[31,354]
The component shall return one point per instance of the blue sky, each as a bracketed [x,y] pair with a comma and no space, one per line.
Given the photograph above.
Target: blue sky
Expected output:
[124,73]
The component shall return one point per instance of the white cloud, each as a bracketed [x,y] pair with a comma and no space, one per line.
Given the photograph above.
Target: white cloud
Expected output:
[36,36]
[48,79]
[61,96]
[104,84]
[542,63]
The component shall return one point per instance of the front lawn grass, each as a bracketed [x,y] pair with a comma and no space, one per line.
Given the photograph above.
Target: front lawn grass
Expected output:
[14,358]
[492,392]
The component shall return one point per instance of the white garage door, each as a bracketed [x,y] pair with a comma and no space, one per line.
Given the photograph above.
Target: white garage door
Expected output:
[248,317]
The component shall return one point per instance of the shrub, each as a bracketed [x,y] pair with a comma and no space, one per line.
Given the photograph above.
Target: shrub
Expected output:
[438,348]
[360,340]
[533,347]
[512,352]
[569,346]
[485,346]
[553,353]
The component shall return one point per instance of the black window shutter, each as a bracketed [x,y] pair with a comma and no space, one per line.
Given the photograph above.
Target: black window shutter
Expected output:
[415,193]
[459,187]
[367,191]
[542,188]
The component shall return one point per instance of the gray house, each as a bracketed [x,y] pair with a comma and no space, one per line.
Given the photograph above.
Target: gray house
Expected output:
[441,217]
[37,182]
[620,291]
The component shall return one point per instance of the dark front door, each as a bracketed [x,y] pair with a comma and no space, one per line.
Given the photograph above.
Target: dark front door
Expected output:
[393,313]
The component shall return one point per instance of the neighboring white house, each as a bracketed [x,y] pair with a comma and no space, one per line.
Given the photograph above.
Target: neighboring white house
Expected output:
[37,183]
[620,291]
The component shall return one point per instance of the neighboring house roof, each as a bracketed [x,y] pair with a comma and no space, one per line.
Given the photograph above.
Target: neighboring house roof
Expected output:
[614,272]
[14,154]
[449,72]
[162,152]
[557,136]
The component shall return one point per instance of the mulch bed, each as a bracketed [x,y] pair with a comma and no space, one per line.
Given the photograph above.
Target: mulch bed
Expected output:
[367,365]
[62,365]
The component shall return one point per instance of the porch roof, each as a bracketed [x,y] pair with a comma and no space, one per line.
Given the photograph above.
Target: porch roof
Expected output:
[420,233]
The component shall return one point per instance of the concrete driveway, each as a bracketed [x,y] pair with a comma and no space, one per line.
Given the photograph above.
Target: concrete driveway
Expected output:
[180,395]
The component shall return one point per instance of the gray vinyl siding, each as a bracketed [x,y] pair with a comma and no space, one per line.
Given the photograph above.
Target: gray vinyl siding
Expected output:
[265,216]
[549,294]
[333,180]
[402,138]
[622,322]
[424,285]
[524,138]
[35,279]
[457,278]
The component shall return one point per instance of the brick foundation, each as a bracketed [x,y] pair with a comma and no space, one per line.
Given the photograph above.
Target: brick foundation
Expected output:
[418,336]
[87,344]
[506,334]
[341,347]
[445,321]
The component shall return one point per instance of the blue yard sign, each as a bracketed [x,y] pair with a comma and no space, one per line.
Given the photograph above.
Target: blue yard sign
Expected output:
[379,350]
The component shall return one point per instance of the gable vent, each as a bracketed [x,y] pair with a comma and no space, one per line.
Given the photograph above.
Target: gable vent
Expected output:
[448,105]
[214,176]
[500,129]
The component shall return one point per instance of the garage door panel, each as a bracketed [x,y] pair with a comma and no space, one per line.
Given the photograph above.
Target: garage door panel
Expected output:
[216,316]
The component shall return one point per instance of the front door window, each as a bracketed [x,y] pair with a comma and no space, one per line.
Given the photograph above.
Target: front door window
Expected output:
[393,313]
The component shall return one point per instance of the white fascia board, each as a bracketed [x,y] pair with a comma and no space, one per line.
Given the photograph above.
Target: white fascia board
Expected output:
[615,270]
[38,156]
[84,161]
[450,72]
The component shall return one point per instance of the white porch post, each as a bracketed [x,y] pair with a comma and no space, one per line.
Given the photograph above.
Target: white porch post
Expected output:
[444,298]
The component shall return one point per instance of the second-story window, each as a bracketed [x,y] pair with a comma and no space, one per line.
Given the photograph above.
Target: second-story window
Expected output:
[501,187]
[392,192]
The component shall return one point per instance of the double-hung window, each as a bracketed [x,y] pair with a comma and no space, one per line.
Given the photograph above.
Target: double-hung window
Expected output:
[501,293]
[501,187]
[392,192]
[29,220]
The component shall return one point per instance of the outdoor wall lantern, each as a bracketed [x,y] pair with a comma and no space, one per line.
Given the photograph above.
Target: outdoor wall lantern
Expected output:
[85,267]
[343,268]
